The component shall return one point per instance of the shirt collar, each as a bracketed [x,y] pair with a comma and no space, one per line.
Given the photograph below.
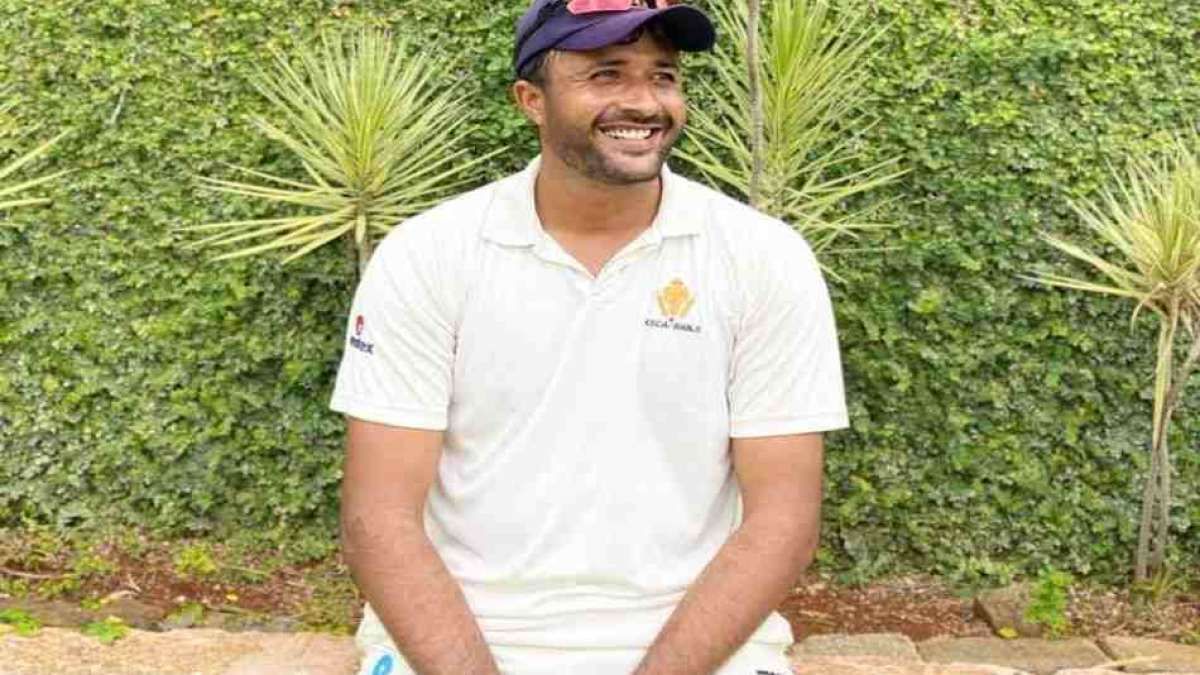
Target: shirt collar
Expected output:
[512,218]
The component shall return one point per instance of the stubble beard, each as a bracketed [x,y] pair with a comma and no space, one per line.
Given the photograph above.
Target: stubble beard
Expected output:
[579,152]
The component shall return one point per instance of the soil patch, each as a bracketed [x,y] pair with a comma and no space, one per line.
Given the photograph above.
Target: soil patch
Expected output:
[319,595]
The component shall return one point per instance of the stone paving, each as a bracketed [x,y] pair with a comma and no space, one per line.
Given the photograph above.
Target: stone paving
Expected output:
[207,651]
[193,651]
[219,643]
[893,654]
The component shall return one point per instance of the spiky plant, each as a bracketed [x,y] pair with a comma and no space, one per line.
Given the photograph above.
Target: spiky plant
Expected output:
[1150,221]
[378,130]
[784,113]
[14,193]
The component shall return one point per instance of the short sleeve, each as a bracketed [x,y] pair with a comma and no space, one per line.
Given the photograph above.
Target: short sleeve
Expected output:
[786,372]
[397,363]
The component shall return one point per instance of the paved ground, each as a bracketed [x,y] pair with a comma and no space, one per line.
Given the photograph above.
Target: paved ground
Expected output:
[201,651]
[206,651]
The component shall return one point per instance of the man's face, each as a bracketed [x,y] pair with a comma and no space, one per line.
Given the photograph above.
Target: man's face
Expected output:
[612,114]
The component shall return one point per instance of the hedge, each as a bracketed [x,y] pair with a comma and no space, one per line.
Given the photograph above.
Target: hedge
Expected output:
[997,426]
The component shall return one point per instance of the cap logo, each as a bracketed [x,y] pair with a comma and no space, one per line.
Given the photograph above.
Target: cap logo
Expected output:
[589,6]
[358,325]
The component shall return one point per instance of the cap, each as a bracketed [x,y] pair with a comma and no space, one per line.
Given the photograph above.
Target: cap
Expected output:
[548,24]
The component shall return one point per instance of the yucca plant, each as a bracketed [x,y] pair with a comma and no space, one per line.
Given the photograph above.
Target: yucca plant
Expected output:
[14,194]
[784,112]
[378,132]
[1150,221]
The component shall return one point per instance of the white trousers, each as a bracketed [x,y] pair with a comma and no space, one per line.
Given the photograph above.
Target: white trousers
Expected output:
[753,658]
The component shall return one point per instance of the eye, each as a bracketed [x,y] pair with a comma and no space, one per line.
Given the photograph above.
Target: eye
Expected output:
[665,76]
[605,74]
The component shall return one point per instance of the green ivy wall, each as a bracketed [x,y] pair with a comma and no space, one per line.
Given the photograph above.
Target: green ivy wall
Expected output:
[997,426]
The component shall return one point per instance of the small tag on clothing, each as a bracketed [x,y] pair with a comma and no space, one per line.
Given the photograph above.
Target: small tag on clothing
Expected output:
[384,665]
[381,660]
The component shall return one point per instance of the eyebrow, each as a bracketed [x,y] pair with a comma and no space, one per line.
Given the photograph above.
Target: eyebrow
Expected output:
[620,62]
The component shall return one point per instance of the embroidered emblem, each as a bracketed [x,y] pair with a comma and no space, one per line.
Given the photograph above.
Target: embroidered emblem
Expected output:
[675,299]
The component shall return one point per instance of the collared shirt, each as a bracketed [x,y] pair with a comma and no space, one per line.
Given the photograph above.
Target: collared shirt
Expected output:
[586,479]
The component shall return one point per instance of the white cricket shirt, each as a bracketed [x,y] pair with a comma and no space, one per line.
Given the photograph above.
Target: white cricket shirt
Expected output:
[586,478]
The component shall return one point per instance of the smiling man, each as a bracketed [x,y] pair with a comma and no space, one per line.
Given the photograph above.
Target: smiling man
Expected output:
[585,403]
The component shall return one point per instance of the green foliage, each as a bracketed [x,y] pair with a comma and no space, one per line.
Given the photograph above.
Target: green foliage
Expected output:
[89,564]
[993,420]
[378,132]
[189,613]
[811,76]
[334,591]
[21,621]
[16,588]
[996,425]
[1048,604]
[14,192]
[1152,220]
[195,560]
[1163,586]
[34,545]
[53,588]
[108,631]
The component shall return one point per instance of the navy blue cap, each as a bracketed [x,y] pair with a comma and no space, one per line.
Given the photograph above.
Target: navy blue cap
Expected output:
[547,24]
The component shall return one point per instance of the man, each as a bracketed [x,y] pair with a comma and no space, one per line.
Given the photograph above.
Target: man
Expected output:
[564,388]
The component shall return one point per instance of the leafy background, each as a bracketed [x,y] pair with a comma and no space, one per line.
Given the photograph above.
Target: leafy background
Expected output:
[997,426]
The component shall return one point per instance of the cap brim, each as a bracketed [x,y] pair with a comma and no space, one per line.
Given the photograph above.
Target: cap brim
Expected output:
[686,27]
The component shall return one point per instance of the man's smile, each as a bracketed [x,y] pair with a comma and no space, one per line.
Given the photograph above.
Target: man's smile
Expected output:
[631,136]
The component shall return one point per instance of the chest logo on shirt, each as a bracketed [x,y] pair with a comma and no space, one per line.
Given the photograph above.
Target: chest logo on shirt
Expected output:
[674,301]
[356,340]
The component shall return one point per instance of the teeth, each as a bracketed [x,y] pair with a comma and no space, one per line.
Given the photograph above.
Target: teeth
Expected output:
[629,134]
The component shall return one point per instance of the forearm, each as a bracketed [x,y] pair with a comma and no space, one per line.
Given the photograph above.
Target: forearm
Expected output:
[748,578]
[420,604]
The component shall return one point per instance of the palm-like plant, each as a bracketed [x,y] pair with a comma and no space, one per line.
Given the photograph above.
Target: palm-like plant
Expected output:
[1151,221]
[378,133]
[15,194]
[785,97]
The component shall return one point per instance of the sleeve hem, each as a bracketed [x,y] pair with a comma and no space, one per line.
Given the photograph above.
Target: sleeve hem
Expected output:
[782,426]
[431,420]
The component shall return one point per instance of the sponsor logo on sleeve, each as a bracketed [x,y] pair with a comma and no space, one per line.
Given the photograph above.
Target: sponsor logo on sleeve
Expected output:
[674,301]
[357,340]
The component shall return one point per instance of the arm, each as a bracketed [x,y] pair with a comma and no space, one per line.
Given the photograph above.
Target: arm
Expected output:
[387,476]
[780,479]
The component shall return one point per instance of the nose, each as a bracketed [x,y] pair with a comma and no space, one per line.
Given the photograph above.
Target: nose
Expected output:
[641,100]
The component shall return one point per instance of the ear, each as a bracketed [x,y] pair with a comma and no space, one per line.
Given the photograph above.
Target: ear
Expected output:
[531,100]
